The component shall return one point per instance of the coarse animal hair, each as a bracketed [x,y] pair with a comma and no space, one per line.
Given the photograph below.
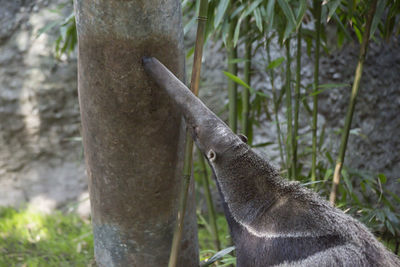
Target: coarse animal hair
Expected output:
[273,222]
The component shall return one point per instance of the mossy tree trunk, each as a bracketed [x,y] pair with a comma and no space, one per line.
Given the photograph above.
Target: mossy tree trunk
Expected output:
[132,133]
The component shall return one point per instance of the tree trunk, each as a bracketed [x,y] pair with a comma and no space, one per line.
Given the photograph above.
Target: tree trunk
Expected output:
[132,133]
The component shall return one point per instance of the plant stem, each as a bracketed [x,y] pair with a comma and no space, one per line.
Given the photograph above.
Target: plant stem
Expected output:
[247,79]
[188,160]
[210,204]
[288,111]
[296,104]
[350,110]
[317,6]
[276,106]
[232,86]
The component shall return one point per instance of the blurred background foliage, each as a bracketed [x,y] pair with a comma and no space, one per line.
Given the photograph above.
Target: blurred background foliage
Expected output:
[62,239]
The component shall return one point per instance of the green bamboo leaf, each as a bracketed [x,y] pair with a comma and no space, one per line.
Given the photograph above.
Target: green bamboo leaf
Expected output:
[236,60]
[237,80]
[57,46]
[341,26]
[260,93]
[346,180]
[378,15]
[187,3]
[382,178]
[329,157]
[333,85]
[306,106]
[327,87]
[210,20]
[251,8]
[69,19]
[221,10]
[225,32]
[238,11]
[308,45]
[340,38]
[390,227]
[276,63]
[287,11]
[352,4]
[269,18]
[300,13]
[47,28]
[231,261]
[246,12]
[391,216]
[236,33]
[389,28]
[288,30]
[190,52]
[328,174]
[393,195]
[324,14]
[380,216]
[217,256]
[264,144]
[358,33]
[280,97]
[257,16]
[332,6]
[317,92]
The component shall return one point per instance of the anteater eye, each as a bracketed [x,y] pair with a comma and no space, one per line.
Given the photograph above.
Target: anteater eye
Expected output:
[211,155]
[243,138]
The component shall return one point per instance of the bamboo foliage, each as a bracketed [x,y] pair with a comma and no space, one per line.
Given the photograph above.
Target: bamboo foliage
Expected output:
[317,10]
[353,96]
[276,105]
[296,105]
[209,200]
[247,79]
[232,86]
[289,140]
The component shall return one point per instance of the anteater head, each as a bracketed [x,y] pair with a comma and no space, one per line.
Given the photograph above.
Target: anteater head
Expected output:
[211,135]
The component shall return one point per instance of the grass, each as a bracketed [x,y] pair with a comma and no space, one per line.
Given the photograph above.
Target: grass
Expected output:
[29,239]
[206,241]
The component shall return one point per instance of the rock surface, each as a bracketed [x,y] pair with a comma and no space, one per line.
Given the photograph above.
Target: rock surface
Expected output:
[40,159]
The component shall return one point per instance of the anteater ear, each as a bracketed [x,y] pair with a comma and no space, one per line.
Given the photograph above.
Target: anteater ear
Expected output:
[243,138]
[211,155]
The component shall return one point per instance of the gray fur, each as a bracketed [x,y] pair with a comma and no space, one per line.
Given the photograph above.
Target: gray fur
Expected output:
[273,222]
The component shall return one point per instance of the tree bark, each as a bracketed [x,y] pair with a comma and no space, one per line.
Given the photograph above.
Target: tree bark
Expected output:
[132,133]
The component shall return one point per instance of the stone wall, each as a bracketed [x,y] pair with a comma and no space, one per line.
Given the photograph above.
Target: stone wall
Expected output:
[40,160]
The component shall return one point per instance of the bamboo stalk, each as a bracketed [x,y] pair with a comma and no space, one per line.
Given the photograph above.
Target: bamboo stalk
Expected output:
[317,6]
[247,79]
[210,204]
[296,104]
[276,107]
[288,112]
[188,160]
[232,86]
[350,110]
